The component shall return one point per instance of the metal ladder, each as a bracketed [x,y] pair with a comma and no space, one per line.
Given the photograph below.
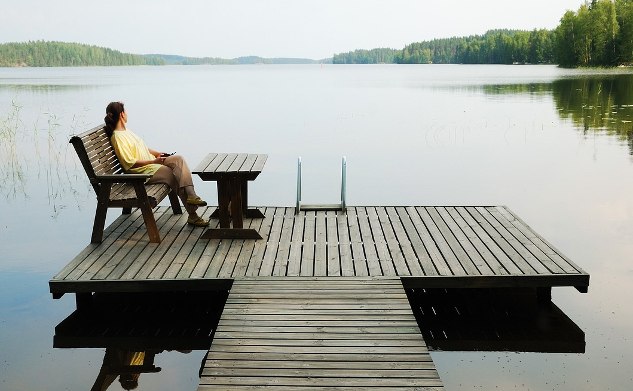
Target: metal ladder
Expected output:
[335,207]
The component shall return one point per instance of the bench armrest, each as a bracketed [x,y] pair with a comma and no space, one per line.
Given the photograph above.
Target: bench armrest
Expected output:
[123,178]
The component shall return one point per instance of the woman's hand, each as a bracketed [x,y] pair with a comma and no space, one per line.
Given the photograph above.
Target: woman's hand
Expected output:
[159,160]
[155,153]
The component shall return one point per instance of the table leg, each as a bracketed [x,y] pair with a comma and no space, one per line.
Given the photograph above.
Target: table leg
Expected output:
[234,191]
[250,213]
[224,193]
[244,190]
[236,203]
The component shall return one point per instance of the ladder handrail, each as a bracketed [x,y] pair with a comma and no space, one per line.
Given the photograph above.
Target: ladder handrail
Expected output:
[343,181]
[343,184]
[298,208]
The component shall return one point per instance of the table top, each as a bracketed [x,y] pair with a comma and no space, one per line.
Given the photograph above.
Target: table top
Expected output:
[218,165]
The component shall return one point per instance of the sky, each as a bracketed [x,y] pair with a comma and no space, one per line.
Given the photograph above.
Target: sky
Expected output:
[314,29]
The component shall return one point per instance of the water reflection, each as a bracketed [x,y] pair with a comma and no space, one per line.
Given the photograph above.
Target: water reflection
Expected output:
[597,103]
[529,88]
[493,320]
[136,327]
[548,177]
[127,365]
[593,102]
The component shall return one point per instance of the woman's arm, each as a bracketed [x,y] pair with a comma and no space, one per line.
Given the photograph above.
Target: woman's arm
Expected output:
[155,153]
[158,160]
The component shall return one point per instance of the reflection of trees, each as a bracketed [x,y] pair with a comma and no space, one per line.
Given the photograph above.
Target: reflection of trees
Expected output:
[531,88]
[599,103]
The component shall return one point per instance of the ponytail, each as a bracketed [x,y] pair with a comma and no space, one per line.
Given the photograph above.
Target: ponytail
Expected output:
[113,114]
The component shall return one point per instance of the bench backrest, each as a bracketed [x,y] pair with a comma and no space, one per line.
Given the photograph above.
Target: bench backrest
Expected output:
[96,154]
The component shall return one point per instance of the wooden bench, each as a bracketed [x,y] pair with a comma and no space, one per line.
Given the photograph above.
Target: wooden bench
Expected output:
[115,188]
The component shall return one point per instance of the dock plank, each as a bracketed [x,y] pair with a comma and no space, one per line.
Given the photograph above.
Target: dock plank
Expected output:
[369,244]
[296,243]
[321,349]
[320,245]
[344,244]
[248,250]
[384,256]
[259,249]
[308,252]
[268,262]
[332,237]
[281,261]
[438,262]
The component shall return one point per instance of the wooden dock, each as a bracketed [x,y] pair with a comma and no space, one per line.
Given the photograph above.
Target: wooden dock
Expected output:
[280,333]
[319,301]
[424,246]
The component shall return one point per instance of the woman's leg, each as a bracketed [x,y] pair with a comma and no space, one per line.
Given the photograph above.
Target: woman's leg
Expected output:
[167,175]
[183,175]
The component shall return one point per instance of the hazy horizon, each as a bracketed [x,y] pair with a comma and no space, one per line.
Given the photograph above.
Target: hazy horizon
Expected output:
[271,29]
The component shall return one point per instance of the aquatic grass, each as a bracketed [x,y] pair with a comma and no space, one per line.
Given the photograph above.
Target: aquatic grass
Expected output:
[51,150]
[12,178]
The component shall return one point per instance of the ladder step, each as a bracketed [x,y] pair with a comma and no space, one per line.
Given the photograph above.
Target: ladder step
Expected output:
[322,207]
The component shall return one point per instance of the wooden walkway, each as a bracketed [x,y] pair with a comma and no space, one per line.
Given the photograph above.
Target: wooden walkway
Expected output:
[425,246]
[318,334]
[319,302]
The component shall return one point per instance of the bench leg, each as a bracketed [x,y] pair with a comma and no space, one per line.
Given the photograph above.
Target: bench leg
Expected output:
[148,215]
[101,212]
[175,203]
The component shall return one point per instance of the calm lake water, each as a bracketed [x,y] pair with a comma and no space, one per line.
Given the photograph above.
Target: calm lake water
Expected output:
[553,145]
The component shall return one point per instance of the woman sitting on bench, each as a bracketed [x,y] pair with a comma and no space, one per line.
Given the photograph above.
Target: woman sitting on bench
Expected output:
[136,157]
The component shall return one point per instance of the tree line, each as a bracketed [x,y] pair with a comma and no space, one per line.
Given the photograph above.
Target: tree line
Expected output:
[600,33]
[61,54]
[493,47]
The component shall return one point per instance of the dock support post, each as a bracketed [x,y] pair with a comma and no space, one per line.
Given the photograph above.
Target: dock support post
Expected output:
[83,300]
[544,295]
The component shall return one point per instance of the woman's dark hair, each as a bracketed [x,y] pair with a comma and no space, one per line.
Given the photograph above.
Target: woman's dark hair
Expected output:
[113,113]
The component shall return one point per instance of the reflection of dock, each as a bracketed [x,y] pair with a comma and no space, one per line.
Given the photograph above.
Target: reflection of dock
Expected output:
[144,321]
[493,320]
[134,328]
[411,247]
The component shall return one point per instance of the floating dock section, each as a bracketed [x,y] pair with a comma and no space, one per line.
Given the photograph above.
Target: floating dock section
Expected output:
[318,333]
[319,302]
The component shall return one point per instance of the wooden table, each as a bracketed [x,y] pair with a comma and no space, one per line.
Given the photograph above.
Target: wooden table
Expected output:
[232,171]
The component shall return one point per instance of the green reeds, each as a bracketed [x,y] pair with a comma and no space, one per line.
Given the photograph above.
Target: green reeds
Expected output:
[50,148]
[12,178]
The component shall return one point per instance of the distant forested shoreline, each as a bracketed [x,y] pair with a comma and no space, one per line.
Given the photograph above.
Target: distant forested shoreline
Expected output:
[599,34]
[494,47]
[62,54]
